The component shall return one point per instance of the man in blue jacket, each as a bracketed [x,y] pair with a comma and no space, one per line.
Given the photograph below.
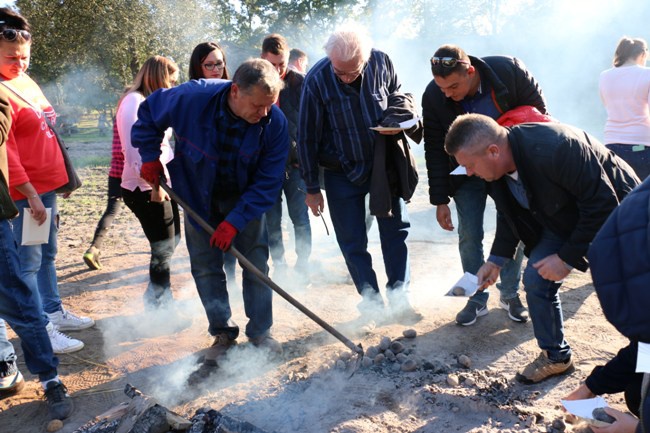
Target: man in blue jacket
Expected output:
[553,186]
[490,86]
[229,158]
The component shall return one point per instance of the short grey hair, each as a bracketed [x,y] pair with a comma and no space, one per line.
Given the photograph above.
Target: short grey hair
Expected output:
[258,73]
[473,133]
[345,45]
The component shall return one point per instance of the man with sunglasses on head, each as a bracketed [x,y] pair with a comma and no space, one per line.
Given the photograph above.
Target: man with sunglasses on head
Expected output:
[276,50]
[344,95]
[490,86]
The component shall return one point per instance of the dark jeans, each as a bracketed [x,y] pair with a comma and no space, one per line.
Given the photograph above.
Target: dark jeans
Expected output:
[470,201]
[162,227]
[113,207]
[207,270]
[544,300]
[639,160]
[293,188]
[347,206]
[20,308]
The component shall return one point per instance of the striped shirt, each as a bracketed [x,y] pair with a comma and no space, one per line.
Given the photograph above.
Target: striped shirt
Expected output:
[230,135]
[117,157]
[335,118]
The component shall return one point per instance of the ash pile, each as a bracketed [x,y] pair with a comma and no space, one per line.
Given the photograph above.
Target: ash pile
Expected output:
[143,414]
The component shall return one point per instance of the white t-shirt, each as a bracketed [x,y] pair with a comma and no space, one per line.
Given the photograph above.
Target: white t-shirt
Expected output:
[127,115]
[625,92]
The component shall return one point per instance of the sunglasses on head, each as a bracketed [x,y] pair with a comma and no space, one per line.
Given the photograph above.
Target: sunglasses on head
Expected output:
[447,62]
[10,35]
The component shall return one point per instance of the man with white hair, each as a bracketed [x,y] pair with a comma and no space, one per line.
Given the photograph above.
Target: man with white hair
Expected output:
[344,95]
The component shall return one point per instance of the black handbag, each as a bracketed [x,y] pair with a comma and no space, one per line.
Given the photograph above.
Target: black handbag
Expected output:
[74,181]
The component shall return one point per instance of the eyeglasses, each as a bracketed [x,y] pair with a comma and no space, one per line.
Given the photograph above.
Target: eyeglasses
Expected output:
[10,35]
[353,74]
[447,62]
[211,66]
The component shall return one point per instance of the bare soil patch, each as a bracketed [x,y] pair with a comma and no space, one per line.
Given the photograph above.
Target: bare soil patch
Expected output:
[304,391]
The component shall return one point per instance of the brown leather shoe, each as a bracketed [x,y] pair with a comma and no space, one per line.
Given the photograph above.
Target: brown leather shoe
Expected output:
[267,342]
[218,350]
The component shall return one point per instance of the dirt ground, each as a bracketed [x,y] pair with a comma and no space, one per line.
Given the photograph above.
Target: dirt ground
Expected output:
[305,390]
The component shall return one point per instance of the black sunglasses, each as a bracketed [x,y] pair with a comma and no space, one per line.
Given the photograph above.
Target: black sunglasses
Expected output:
[447,62]
[10,35]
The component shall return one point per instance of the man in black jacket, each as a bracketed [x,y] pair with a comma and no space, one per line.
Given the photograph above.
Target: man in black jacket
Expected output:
[553,186]
[489,86]
[276,51]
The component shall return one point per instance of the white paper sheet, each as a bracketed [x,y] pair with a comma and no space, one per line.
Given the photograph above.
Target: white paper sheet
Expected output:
[407,124]
[585,408]
[33,234]
[466,286]
[643,358]
[459,170]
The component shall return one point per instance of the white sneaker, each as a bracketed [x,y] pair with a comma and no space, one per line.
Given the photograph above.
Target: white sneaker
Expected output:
[64,320]
[61,343]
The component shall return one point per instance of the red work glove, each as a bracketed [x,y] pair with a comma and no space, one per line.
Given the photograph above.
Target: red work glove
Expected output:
[151,172]
[223,235]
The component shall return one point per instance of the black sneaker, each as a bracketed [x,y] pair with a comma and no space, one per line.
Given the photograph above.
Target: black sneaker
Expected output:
[516,310]
[11,380]
[468,315]
[59,403]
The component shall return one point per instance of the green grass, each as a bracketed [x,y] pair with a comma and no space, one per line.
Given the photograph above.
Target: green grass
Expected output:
[91,161]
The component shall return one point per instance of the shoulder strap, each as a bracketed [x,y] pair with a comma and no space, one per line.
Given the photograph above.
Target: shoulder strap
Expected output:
[20,95]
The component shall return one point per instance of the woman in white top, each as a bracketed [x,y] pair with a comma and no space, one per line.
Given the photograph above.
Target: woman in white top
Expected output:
[625,91]
[157,214]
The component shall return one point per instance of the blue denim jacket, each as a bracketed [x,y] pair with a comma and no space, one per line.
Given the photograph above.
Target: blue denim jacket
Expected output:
[192,110]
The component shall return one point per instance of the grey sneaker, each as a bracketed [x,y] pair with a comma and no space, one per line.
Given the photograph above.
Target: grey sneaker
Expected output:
[11,380]
[516,310]
[543,368]
[59,403]
[468,315]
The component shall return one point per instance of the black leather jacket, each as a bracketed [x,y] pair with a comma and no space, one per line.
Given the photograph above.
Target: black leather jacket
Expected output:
[290,106]
[512,86]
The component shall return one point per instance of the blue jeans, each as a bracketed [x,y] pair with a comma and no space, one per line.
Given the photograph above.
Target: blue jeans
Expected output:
[6,348]
[347,206]
[639,160]
[470,201]
[207,269]
[544,301]
[37,261]
[293,188]
[20,307]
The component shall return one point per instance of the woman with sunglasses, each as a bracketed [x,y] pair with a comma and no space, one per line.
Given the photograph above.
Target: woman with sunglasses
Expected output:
[158,215]
[36,170]
[625,92]
[208,60]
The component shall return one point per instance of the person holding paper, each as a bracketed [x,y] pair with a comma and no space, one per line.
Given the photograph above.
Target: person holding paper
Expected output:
[619,257]
[554,186]
[344,95]
[19,305]
[36,170]
[466,84]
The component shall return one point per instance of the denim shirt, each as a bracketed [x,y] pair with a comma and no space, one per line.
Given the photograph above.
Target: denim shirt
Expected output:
[335,118]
